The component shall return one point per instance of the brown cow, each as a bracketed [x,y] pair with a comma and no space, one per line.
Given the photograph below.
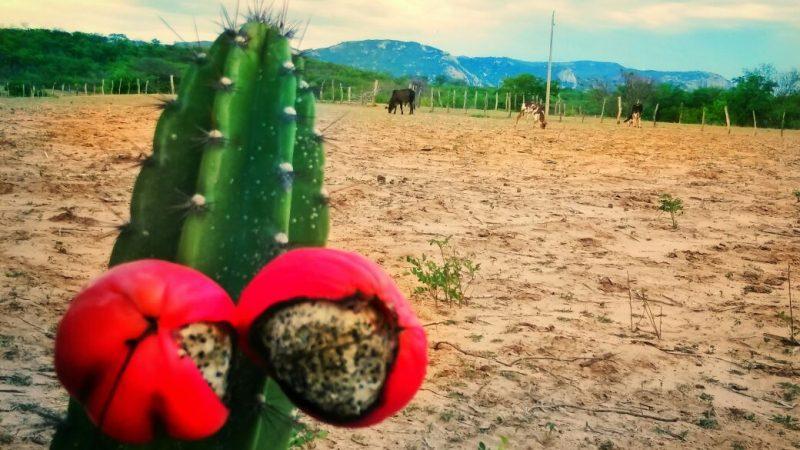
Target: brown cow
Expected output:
[534,109]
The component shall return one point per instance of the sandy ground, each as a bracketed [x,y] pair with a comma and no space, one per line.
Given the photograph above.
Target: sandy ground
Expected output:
[544,354]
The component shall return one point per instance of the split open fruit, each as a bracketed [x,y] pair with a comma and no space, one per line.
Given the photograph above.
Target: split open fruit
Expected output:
[334,331]
[147,346]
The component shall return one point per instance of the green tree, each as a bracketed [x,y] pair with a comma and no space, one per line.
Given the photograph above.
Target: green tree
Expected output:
[529,85]
[753,91]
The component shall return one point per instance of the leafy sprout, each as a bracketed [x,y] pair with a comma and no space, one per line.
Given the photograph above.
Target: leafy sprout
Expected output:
[672,205]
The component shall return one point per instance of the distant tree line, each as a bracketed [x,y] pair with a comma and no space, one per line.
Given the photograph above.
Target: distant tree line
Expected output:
[763,90]
[52,58]
[45,58]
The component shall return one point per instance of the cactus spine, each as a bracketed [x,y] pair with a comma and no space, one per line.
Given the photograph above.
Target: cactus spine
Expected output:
[217,195]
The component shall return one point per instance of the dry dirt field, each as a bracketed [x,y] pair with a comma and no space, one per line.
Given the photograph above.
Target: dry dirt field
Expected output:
[544,354]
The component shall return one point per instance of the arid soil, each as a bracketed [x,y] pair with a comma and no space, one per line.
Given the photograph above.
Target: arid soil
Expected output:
[553,350]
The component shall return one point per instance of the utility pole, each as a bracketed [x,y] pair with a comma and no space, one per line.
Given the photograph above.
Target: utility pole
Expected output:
[549,67]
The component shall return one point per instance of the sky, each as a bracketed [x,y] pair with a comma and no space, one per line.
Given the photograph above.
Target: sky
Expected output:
[722,36]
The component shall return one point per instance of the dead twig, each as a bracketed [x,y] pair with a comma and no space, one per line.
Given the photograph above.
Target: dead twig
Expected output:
[791,305]
[596,359]
[630,299]
[748,365]
[589,360]
[609,410]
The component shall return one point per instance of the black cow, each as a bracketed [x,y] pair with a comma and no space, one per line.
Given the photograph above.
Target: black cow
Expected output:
[400,97]
[635,117]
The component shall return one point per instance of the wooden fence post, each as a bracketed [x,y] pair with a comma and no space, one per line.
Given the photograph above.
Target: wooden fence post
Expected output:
[464,105]
[486,104]
[103,87]
[755,126]
[655,115]
[349,94]
[508,103]
[138,87]
[619,109]
[374,92]
[439,96]
[703,120]
[172,84]
[119,89]
[582,113]
[85,89]
[680,114]
[727,119]
[603,111]
[496,100]
[146,86]
[783,121]
[432,105]
[563,107]
[475,102]
[341,93]
[514,105]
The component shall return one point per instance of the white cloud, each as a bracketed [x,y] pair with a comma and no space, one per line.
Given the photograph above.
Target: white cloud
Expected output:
[674,16]
[463,26]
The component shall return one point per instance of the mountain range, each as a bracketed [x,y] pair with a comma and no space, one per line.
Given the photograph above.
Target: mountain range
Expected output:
[400,58]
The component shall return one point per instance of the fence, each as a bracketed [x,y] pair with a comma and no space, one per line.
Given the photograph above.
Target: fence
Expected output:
[449,99]
[98,87]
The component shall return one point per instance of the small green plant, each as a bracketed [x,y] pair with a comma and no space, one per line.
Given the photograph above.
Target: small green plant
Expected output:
[302,435]
[672,205]
[607,445]
[503,445]
[797,195]
[447,416]
[783,316]
[17,379]
[706,397]
[787,421]
[708,420]
[790,390]
[447,280]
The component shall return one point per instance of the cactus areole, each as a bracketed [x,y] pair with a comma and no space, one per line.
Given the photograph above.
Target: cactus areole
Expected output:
[147,346]
[335,332]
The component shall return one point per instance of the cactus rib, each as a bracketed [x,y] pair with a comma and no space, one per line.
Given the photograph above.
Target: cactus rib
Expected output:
[168,177]
[310,211]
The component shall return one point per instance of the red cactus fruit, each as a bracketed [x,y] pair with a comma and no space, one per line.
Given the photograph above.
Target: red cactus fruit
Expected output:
[334,331]
[148,345]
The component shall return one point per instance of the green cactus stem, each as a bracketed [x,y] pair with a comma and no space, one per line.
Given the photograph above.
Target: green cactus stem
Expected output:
[163,190]
[217,195]
[310,210]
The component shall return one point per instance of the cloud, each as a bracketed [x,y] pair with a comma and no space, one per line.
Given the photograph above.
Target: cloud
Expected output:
[677,16]
[464,23]
[585,29]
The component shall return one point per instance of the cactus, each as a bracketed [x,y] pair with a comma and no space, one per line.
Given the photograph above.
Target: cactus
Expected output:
[216,196]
